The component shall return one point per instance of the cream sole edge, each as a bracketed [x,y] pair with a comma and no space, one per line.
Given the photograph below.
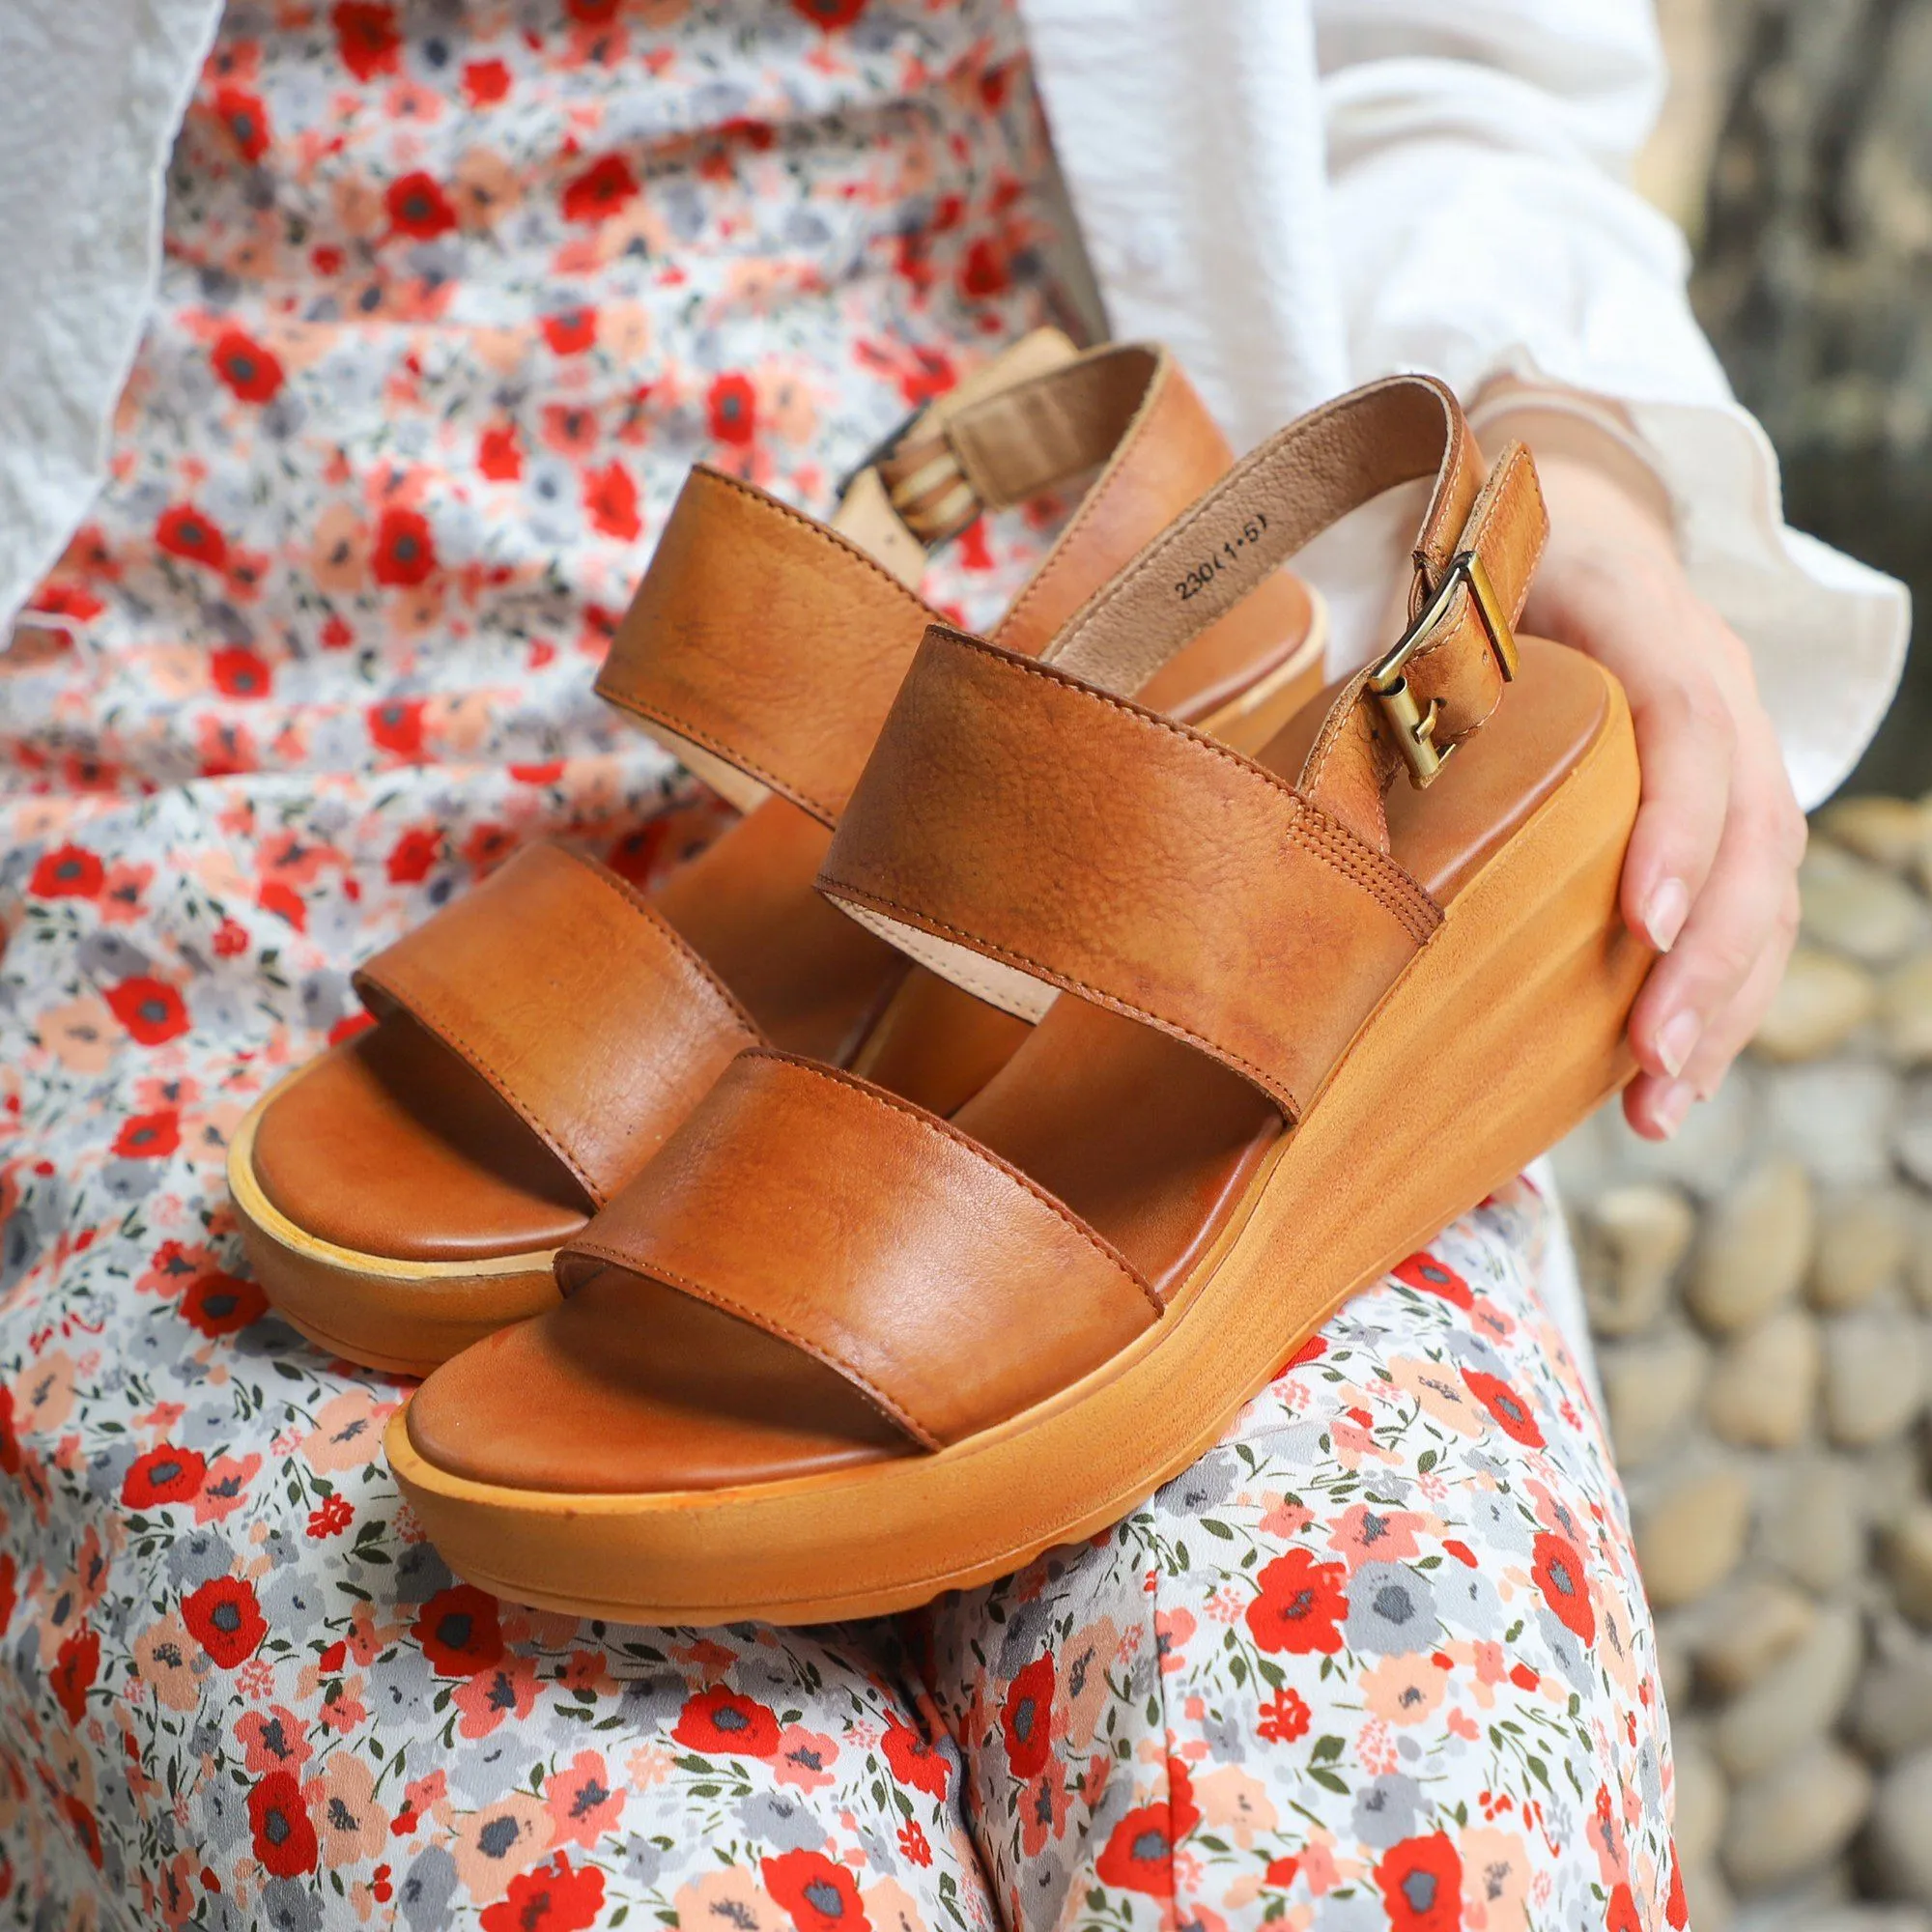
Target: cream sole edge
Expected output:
[312,1282]
[863,1543]
[303,1275]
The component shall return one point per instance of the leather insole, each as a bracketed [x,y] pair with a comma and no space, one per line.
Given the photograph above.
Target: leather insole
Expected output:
[392,1146]
[1149,1141]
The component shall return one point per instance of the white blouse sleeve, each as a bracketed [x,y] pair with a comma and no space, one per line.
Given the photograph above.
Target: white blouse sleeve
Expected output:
[1483,226]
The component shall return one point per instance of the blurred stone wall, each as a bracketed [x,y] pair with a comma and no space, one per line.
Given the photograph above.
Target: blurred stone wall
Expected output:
[1761,1288]
[1800,153]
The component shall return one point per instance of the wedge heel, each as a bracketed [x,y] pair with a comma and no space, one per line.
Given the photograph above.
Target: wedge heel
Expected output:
[1530,971]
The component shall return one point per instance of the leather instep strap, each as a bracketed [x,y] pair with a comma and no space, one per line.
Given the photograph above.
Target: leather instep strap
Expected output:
[878,1240]
[531,978]
[764,649]
[1043,835]
[1022,829]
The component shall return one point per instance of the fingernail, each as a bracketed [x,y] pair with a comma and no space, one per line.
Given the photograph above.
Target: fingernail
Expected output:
[1663,915]
[1668,1109]
[1675,1038]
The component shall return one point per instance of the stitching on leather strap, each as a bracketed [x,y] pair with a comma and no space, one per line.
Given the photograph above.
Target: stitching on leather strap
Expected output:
[831,537]
[1401,896]
[711,742]
[894,1411]
[1158,384]
[467,1049]
[1038,969]
[884,1098]
[665,929]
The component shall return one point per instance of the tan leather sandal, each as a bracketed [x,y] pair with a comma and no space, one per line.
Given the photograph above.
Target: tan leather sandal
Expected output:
[404,1194]
[828,1353]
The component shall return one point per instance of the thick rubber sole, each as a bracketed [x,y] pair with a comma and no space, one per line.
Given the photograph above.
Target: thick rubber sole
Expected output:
[1506,1030]
[400,1316]
[407,1317]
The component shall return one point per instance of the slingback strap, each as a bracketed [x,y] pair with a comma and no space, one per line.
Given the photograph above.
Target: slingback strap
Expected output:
[531,977]
[764,649]
[1024,833]
[878,1240]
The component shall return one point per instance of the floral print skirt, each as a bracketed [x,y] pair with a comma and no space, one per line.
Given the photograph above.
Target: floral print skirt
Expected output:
[453,293]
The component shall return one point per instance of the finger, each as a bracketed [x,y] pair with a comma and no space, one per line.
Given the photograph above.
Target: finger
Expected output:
[1684,738]
[1746,906]
[1655,1105]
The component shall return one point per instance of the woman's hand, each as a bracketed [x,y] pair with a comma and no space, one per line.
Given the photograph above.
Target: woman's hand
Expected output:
[1711,879]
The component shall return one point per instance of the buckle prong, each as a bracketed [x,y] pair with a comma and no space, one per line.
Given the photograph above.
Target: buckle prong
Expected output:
[1414,728]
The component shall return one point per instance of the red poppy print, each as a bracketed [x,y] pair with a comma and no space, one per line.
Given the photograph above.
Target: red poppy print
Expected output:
[237,672]
[1558,1572]
[1620,1913]
[610,502]
[821,1896]
[459,1631]
[148,1136]
[246,120]
[222,1304]
[67,872]
[485,82]
[10,1445]
[1139,1854]
[1421,1881]
[413,855]
[571,333]
[418,208]
[600,191]
[1025,1719]
[404,552]
[278,1822]
[553,1898]
[1508,1407]
[9,1586]
[720,1720]
[253,374]
[84,1825]
[1301,1605]
[163,1475]
[1676,1909]
[830,13]
[150,1008]
[76,1664]
[1284,1718]
[225,1618]
[733,405]
[913,1762]
[367,38]
[498,454]
[396,726]
[1433,1277]
[183,532]
[592,13]
[987,272]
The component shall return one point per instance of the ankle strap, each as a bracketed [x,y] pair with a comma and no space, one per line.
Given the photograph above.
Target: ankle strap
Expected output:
[763,648]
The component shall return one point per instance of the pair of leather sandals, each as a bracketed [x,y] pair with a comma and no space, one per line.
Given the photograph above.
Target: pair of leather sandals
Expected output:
[792,1263]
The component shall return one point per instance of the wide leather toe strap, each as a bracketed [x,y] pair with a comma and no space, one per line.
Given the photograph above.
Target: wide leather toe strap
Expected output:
[943,1284]
[578,1003]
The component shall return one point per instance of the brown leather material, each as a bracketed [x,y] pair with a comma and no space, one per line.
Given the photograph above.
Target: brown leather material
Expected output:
[912,1258]
[1086,844]
[337,1153]
[631,1387]
[765,641]
[775,674]
[532,976]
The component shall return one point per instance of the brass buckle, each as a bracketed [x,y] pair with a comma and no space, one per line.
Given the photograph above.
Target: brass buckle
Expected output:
[1414,728]
[929,488]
